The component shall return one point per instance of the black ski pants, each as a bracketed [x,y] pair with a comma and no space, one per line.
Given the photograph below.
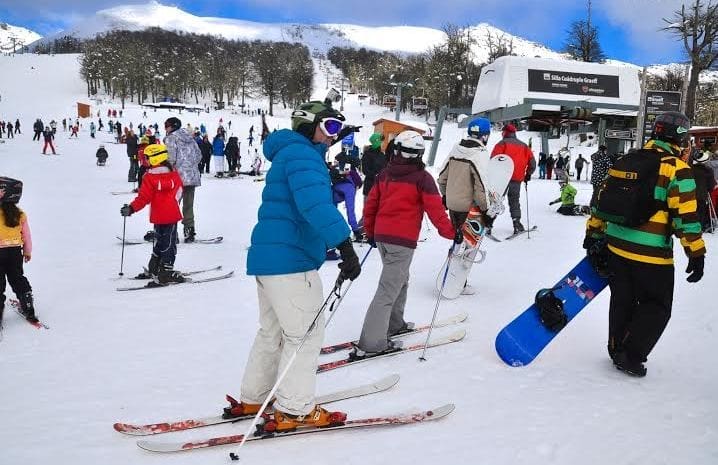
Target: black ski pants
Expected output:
[204,163]
[641,302]
[11,268]
[165,243]
[458,218]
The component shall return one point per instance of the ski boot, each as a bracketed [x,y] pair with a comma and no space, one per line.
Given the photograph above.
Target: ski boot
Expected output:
[406,328]
[359,354]
[623,362]
[518,227]
[239,409]
[319,417]
[152,270]
[168,275]
[189,234]
[27,307]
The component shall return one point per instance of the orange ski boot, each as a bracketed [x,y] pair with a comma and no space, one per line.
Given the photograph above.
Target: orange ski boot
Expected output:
[318,418]
[240,409]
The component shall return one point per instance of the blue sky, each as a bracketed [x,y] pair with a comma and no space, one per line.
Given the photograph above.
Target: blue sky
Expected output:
[629,29]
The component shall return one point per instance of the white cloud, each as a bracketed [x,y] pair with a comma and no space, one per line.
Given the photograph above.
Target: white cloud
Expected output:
[642,21]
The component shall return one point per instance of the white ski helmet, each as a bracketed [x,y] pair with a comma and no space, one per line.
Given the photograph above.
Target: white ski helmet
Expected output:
[409,144]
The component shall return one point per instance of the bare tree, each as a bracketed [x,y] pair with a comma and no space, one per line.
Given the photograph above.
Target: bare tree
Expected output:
[498,45]
[582,42]
[697,27]
[670,80]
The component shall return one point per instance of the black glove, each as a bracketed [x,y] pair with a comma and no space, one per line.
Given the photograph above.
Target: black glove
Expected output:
[345,131]
[443,202]
[488,221]
[553,202]
[459,237]
[695,268]
[597,252]
[126,210]
[349,266]
[527,178]
[371,241]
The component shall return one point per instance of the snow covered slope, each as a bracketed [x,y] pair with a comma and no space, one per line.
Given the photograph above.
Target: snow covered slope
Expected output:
[14,36]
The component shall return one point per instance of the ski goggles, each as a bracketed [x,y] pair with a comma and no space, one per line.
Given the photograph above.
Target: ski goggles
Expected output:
[331,126]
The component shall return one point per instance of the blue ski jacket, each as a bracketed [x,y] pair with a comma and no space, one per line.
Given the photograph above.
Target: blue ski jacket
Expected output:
[297,221]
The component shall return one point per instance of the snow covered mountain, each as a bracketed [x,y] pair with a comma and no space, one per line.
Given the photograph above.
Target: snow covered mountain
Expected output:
[319,37]
[13,37]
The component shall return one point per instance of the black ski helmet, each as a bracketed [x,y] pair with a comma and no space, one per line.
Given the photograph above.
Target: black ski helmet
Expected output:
[172,124]
[671,126]
[10,190]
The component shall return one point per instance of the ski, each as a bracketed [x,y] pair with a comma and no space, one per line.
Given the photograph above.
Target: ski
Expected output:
[122,192]
[515,235]
[455,337]
[154,285]
[493,238]
[208,240]
[185,273]
[456,319]
[395,420]
[16,306]
[168,427]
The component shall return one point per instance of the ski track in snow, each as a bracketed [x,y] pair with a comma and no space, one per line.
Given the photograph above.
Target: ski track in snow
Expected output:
[173,353]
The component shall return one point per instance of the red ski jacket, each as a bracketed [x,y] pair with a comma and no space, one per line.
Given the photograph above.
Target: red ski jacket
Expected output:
[162,189]
[520,153]
[396,204]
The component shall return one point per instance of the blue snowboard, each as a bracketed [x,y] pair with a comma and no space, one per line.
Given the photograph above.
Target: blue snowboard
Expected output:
[524,338]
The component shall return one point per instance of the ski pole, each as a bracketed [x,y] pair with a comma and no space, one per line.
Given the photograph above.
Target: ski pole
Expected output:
[122,257]
[332,302]
[438,300]
[528,218]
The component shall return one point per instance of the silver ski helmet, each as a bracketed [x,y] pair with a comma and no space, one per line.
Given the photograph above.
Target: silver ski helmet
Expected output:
[10,190]
[409,144]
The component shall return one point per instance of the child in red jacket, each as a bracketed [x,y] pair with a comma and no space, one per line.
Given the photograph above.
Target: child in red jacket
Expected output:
[161,188]
[393,213]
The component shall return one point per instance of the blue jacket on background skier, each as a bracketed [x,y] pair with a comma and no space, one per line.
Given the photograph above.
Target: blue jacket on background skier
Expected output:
[294,232]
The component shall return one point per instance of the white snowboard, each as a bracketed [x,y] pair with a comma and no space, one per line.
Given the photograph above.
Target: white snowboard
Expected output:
[496,173]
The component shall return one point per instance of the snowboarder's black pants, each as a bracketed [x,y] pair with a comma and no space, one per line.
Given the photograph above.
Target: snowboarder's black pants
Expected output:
[37,135]
[11,268]
[578,173]
[641,302]
[165,243]
[132,173]
[458,218]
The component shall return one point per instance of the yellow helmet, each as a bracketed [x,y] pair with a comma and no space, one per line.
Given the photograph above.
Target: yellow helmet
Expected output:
[156,153]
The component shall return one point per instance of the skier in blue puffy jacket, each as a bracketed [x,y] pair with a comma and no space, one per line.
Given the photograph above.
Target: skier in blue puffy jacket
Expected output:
[297,223]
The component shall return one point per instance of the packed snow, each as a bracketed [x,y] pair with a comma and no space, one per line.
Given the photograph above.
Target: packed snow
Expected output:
[173,353]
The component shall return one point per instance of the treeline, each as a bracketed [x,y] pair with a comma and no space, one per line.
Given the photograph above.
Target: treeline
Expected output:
[64,44]
[157,64]
[446,74]
[706,102]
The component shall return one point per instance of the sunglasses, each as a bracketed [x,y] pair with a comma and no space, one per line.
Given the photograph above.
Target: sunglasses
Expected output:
[331,126]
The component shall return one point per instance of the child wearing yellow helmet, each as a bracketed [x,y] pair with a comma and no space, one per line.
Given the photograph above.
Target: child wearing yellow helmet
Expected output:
[161,188]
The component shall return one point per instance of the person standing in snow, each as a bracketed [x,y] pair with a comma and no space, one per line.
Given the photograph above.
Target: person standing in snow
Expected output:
[601,164]
[131,144]
[218,153]
[460,183]
[205,147]
[542,165]
[639,259]
[48,136]
[580,162]
[10,132]
[38,128]
[101,155]
[297,223]
[524,166]
[17,126]
[92,129]
[184,156]
[162,189]
[402,193]
[373,161]
[15,247]
[231,151]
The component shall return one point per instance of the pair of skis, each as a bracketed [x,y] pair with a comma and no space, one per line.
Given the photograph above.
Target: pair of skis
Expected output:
[186,275]
[208,240]
[359,391]
[15,304]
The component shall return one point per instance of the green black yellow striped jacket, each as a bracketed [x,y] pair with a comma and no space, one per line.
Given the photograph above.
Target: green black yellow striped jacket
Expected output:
[652,242]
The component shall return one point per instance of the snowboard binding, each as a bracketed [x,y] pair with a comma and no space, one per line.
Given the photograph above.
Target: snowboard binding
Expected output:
[551,310]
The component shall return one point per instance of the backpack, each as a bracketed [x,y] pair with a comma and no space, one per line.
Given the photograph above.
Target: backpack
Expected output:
[627,194]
